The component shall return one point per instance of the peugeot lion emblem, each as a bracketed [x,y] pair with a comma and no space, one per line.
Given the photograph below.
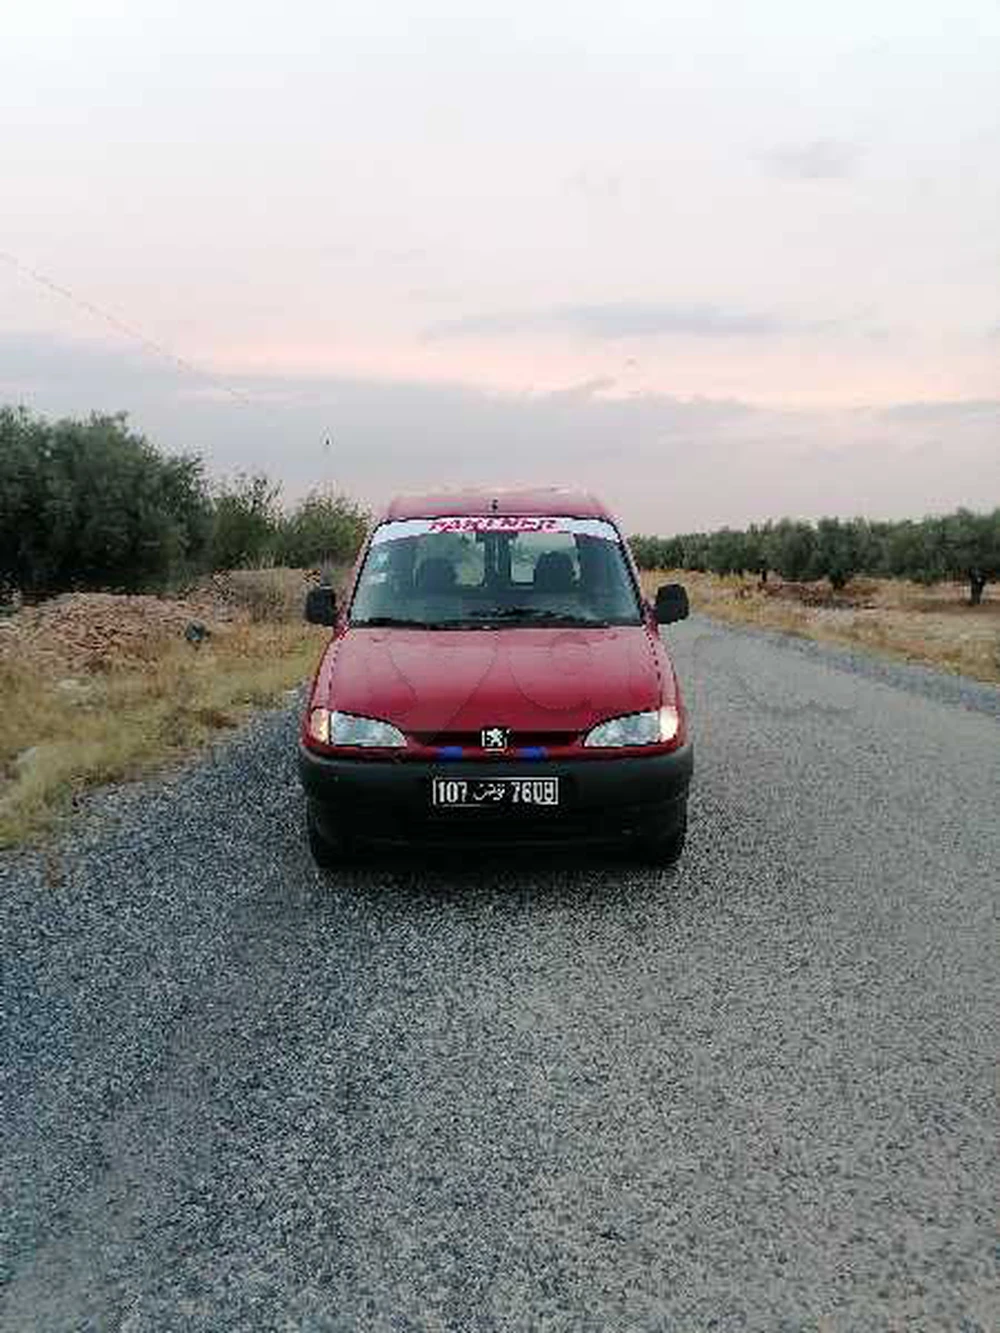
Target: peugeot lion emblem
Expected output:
[495,738]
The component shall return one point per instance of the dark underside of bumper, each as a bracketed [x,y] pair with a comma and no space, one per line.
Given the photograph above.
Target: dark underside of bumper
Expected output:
[601,800]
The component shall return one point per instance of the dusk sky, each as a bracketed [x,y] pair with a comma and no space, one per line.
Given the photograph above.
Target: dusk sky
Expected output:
[718,261]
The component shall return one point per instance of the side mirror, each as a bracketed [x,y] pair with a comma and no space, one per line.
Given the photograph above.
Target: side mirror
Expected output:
[671,603]
[321,606]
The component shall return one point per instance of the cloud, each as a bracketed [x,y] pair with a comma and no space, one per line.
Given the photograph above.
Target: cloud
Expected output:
[942,412]
[581,392]
[816,159]
[619,319]
[664,463]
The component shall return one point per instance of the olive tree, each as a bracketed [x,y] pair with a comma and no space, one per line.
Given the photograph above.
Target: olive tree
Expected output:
[92,504]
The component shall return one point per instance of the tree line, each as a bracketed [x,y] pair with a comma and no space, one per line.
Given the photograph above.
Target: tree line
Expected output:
[93,504]
[963,546]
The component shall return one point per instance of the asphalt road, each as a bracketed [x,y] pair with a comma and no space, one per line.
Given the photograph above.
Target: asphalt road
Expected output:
[753,1093]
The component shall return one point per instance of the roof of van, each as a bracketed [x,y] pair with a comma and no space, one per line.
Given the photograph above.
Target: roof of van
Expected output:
[558,501]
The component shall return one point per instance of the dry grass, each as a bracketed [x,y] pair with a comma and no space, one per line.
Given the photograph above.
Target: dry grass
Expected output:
[93,690]
[934,626]
[267,596]
[64,729]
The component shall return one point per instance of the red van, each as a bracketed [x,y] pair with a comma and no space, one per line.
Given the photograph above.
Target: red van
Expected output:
[495,676]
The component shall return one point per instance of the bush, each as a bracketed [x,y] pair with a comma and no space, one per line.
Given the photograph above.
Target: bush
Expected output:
[246,523]
[325,528]
[251,530]
[92,504]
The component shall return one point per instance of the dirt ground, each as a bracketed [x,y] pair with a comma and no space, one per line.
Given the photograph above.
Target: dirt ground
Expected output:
[98,686]
[94,632]
[934,625]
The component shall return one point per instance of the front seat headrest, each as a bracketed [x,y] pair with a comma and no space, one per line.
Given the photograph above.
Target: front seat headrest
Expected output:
[554,573]
[435,575]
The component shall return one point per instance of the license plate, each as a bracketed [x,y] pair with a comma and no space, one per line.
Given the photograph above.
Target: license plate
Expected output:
[489,793]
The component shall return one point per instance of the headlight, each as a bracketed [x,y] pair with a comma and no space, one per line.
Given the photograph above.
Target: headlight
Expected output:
[653,728]
[332,728]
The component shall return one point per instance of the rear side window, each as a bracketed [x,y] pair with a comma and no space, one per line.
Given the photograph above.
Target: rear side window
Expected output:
[530,547]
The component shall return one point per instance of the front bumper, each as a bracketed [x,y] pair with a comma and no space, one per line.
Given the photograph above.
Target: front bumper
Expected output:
[601,800]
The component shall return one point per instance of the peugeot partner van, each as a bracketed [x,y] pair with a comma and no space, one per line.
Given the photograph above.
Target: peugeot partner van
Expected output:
[494,677]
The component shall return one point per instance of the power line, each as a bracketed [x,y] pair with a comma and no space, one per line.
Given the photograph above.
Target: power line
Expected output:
[127,330]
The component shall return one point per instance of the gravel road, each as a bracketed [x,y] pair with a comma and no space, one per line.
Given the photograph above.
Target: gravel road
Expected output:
[752,1093]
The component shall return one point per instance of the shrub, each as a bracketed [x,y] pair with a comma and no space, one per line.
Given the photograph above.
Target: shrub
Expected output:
[246,523]
[92,504]
[325,528]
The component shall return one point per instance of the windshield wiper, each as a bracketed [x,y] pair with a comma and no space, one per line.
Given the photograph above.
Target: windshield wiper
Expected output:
[539,614]
[480,619]
[393,622]
[404,622]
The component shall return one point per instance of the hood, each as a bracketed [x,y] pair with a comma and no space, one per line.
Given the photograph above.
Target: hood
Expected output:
[540,681]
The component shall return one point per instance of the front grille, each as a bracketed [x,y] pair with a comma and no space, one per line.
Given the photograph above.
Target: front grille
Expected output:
[518,740]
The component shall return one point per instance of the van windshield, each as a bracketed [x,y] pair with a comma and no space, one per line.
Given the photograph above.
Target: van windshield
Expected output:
[495,570]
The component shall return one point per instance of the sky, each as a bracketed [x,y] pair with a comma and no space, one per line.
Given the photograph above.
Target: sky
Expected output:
[718,262]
